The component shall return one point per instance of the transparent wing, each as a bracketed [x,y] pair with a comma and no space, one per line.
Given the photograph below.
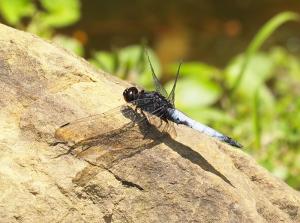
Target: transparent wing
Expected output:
[94,125]
[98,138]
[171,96]
[158,87]
[126,141]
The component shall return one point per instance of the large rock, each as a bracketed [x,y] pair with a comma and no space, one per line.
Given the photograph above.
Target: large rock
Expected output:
[191,178]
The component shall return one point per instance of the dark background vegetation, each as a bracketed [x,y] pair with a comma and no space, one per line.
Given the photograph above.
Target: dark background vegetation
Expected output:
[241,70]
[207,30]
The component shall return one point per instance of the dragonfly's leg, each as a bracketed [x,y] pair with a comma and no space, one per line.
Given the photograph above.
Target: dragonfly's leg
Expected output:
[144,115]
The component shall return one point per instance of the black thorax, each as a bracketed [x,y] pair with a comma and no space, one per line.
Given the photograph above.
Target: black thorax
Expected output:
[153,102]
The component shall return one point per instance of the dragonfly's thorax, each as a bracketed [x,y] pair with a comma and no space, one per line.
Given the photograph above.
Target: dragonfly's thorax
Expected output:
[151,101]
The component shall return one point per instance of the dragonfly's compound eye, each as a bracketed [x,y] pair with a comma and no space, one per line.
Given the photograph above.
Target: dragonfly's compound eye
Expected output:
[130,94]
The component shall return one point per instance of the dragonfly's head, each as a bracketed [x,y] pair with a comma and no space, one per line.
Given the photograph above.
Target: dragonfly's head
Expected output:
[130,94]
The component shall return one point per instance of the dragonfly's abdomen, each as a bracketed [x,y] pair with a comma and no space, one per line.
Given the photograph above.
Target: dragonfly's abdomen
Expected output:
[180,118]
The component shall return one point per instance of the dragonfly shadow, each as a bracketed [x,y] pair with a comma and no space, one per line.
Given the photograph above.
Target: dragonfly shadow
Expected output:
[137,135]
[184,151]
[194,157]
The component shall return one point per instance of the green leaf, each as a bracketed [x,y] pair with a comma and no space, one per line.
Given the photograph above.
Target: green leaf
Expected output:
[60,13]
[14,10]
[195,70]
[257,118]
[197,79]
[264,33]
[105,61]
[131,56]
[258,70]
[190,93]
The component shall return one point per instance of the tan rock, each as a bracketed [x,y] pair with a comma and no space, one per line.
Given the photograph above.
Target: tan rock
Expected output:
[191,178]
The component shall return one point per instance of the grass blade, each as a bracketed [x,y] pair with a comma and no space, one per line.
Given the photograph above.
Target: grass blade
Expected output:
[265,32]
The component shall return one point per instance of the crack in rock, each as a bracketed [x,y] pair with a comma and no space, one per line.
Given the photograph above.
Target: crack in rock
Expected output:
[127,183]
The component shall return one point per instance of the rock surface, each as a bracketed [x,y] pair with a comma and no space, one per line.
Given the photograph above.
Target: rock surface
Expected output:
[191,178]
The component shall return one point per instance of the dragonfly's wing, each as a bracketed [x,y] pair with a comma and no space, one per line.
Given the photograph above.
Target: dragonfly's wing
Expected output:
[171,96]
[158,87]
[96,125]
[109,146]
[99,138]
[92,126]
[96,138]
[146,132]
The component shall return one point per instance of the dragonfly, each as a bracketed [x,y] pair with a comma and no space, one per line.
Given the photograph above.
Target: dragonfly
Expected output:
[162,105]
[144,109]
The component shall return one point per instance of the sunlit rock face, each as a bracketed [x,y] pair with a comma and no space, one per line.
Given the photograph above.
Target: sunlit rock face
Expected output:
[190,178]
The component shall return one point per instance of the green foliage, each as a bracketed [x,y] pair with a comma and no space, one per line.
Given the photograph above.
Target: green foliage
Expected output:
[60,13]
[128,63]
[259,39]
[55,14]
[43,22]
[197,81]
[14,11]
